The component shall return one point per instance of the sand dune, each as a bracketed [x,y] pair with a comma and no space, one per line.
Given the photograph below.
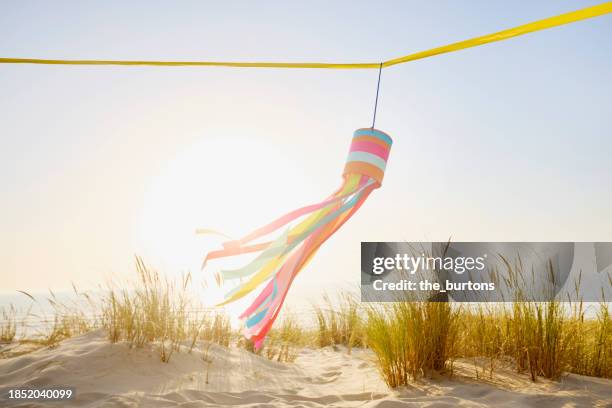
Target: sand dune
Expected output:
[107,375]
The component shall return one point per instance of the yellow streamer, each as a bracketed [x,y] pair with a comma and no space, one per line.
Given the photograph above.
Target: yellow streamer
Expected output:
[567,18]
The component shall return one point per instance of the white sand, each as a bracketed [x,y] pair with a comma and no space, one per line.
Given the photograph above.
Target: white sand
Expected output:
[108,375]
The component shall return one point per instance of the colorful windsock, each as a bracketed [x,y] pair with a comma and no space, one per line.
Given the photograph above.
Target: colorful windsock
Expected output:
[280,260]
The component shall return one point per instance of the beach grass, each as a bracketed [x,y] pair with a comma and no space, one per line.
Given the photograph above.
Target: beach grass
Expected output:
[155,310]
[410,338]
[283,342]
[543,335]
[340,322]
[8,326]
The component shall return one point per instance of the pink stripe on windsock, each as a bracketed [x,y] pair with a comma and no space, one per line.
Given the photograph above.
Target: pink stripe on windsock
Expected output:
[370,147]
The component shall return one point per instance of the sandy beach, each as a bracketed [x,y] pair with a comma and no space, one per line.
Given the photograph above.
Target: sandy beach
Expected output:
[112,375]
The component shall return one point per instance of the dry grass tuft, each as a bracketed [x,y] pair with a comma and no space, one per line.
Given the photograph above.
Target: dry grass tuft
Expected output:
[412,339]
[157,311]
[283,343]
[340,322]
[8,326]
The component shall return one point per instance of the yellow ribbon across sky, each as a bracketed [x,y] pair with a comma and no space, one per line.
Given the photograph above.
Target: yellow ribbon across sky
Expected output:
[582,14]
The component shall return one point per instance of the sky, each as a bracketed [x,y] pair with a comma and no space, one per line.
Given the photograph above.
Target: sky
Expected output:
[504,142]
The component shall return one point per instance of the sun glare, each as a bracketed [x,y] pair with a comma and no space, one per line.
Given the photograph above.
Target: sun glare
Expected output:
[230,184]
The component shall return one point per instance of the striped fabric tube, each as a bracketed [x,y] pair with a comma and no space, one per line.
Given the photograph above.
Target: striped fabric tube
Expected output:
[368,154]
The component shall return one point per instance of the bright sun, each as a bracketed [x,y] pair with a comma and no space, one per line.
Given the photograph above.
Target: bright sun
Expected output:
[230,184]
